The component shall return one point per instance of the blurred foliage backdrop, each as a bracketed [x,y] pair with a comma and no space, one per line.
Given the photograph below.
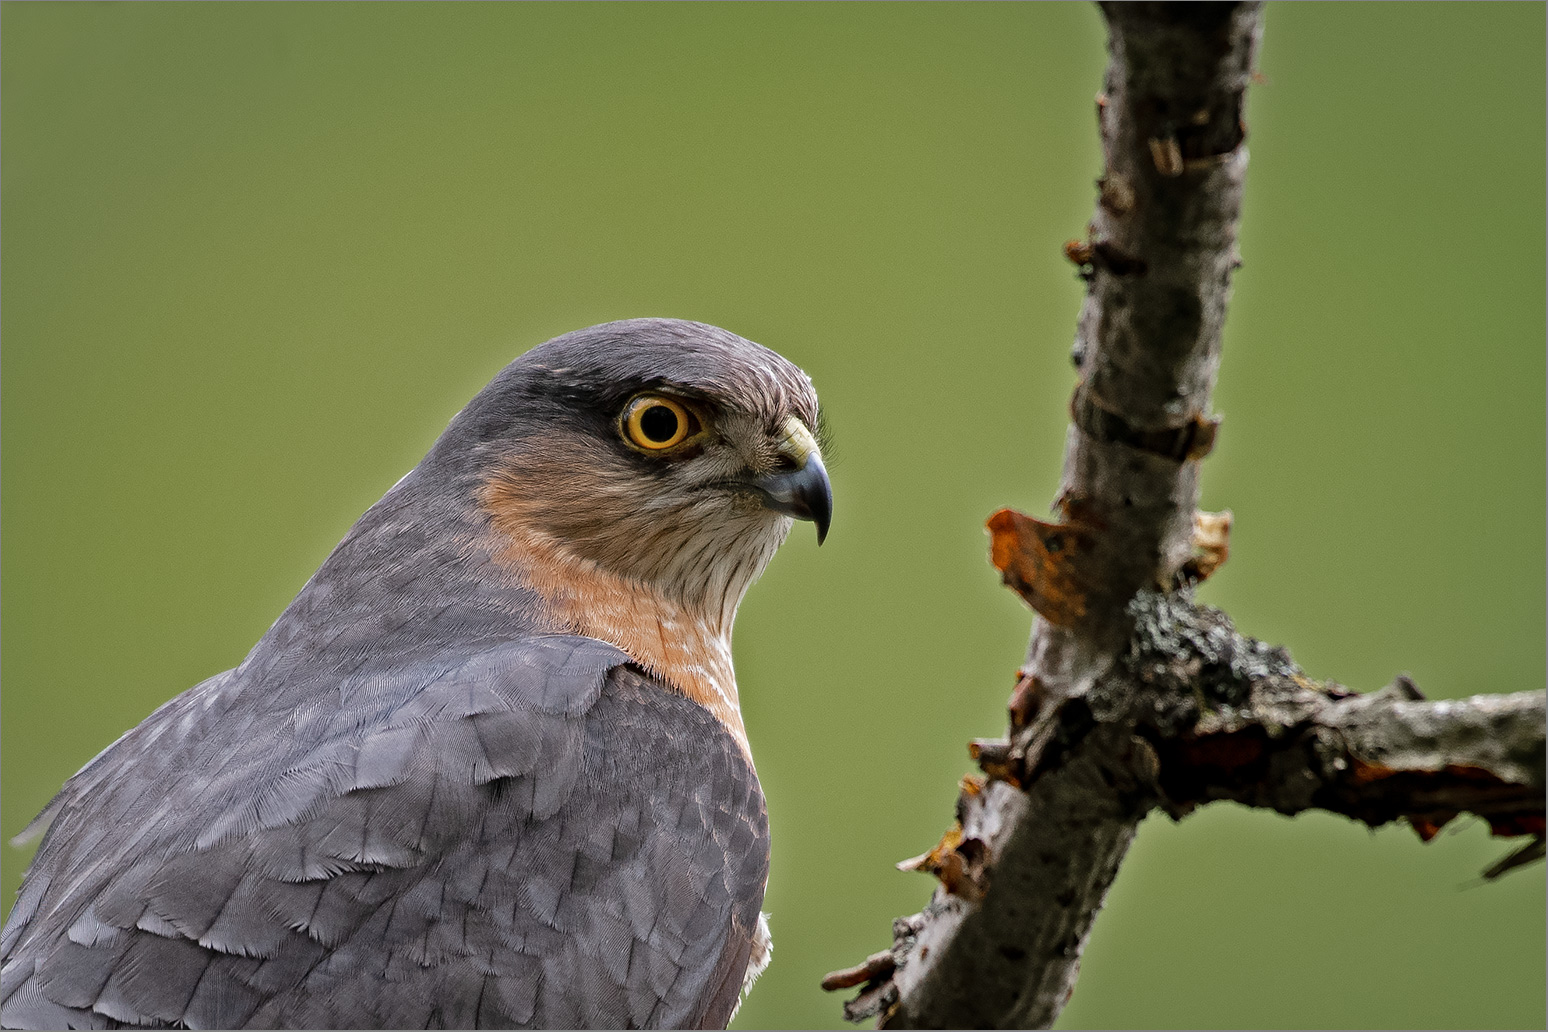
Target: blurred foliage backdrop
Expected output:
[256,255]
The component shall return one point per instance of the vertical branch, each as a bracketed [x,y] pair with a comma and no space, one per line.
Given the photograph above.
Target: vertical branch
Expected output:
[1037,847]
[1159,260]
[1132,697]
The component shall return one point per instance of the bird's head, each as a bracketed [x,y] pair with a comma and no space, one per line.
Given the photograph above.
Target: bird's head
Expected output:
[664,454]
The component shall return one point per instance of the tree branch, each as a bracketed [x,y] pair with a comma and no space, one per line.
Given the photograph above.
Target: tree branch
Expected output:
[1132,698]
[1192,712]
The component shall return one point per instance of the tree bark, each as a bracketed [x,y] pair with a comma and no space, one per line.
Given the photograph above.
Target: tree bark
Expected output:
[1132,698]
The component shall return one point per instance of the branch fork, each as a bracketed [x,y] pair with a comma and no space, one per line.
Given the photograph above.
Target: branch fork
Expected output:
[1132,697]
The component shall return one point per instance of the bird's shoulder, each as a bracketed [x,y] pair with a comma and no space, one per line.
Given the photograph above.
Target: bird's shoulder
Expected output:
[246,750]
[494,797]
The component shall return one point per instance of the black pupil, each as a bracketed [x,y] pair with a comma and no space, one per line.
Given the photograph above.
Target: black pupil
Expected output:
[659,423]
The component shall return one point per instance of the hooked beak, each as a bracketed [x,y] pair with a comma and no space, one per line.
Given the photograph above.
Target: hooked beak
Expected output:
[803,492]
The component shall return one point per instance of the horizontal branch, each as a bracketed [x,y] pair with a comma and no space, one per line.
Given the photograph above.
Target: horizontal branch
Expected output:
[1258,732]
[1192,712]
[1374,758]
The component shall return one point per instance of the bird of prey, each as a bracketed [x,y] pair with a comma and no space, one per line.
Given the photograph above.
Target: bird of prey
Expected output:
[488,768]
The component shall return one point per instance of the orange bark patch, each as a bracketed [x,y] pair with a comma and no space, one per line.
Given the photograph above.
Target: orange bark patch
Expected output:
[1524,824]
[1079,252]
[1226,752]
[1426,828]
[1025,700]
[876,966]
[1037,560]
[1211,544]
[956,861]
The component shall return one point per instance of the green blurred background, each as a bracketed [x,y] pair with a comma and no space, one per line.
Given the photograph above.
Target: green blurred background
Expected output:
[256,256]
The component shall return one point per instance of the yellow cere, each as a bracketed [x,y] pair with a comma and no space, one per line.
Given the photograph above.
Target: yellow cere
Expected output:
[797,442]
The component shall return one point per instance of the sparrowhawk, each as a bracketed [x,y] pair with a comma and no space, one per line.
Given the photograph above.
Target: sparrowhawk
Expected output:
[488,768]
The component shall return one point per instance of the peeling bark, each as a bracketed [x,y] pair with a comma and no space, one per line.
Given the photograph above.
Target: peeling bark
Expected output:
[1132,698]
[1191,712]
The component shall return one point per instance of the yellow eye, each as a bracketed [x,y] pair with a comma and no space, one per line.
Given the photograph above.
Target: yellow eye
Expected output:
[655,423]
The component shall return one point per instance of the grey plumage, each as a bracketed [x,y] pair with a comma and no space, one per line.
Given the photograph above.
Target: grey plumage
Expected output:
[420,801]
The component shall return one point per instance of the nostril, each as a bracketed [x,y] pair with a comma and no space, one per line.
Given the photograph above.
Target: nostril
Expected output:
[785,464]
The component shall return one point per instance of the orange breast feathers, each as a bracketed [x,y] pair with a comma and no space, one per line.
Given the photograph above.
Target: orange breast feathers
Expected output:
[684,649]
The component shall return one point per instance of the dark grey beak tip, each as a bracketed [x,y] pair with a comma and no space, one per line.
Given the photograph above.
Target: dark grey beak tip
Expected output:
[822,514]
[804,494]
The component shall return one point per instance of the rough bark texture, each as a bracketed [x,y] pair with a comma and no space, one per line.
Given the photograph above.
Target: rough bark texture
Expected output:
[1189,712]
[1132,698]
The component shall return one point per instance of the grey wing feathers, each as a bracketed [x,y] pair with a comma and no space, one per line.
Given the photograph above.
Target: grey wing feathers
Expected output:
[533,836]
